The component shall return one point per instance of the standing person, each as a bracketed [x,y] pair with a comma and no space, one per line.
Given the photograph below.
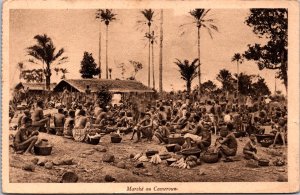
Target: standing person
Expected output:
[25,139]
[38,118]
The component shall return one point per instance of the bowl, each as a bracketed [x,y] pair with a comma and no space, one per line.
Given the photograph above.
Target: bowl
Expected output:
[115,139]
[170,147]
[210,157]
[151,153]
[42,150]
[69,177]
[263,162]
[193,151]
[93,141]
[264,136]
[171,160]
[266,142]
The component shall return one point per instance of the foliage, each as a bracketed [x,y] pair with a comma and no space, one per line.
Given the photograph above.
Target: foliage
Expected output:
[106,15]
[188,71]
[237,57]
[273,25]
[245,83]
[45,52]
[260,88]
[208,86]
[88,66]
[64,71]
[148,14]
[32,76]
[226,80]
[137,66]
[104,96]
[123,69]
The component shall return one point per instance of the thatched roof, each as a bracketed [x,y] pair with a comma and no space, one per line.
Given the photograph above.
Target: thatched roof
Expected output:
[122,86]
[34,86]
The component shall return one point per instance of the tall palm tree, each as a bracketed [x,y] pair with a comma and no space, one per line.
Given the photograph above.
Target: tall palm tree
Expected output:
[64,71]
[188,71]
[161,52]
[98,16]
[239,59]
[148,14]
[110,70]
[199,16]
[45,52]
[107,16]
[152,39]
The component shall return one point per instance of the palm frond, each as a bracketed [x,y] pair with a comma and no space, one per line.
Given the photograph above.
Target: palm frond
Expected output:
[214,27]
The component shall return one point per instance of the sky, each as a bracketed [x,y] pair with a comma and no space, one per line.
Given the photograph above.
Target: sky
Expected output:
[77,31]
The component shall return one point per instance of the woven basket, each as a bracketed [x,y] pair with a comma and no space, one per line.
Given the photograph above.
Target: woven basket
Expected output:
[42,150]
[210,157]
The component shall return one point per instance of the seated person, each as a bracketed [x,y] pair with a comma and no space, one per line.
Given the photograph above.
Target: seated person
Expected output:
[25,138]
[144,126]
[280,128]
[38,118]
[26,113]
[162,132]
[69,124]
[182,122]
[79,131]
[250,148]
[227,146]
[59,121]
[199,135]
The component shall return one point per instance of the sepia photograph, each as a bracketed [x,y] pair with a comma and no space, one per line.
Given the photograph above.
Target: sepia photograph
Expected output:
[140,94]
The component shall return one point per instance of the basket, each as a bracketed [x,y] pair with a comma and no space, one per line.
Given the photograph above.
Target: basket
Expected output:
[264,136]
[176,140]
[42,150]
[170,147]
[115,139]
[93,141]
[266,142]
[187,152]
[263,162]
[171,160]
[151,153]
[210,157]
[69,177]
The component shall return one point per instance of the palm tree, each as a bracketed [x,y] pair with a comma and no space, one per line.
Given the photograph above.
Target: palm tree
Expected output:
[148,14]
[225,77]
[107,16]
[20,67]
[44,51]
[200,20]
[110,70]
[160,52]
[188,71]
[238,58]
[98,16]
[152,39]
[64,71]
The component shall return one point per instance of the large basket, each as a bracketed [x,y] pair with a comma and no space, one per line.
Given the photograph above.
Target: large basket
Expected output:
[210,157]
[194,151]
[69,177]
[115,139]
[264,136]
[93,141]
[42,150]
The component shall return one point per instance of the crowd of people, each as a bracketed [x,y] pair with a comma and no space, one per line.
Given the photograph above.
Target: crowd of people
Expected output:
[194,120]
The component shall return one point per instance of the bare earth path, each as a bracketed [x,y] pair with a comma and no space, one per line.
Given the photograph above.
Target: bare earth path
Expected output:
[89,166]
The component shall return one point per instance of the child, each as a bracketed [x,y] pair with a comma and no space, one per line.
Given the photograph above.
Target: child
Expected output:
[250,148]
[25,138]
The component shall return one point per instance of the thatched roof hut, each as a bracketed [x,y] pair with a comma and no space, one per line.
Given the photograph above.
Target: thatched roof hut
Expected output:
[34,87]
[114,86]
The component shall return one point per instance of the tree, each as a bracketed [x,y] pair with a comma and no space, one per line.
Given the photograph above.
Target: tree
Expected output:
[152,39]
[148,14]
[110,70]
[188,71]
[208,86]
[107,16]
[226,80]
[88,66]
[123,70]
[56,70]
[238,58]
[98,16]
[20,67]
[104,96]
[64,71]
[137,66]
[260,88]
[199,16]
[244,83]
[271,24]
[33,76]
[161,52]
[45,52]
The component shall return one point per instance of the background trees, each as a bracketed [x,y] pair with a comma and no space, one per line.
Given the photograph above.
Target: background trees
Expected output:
[271,24]
[226,80]
[45,52]
[88,66]
[137,66]
[188,71]
[208,86]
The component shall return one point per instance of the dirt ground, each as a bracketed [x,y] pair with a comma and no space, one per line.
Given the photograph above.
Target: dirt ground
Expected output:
[88,164]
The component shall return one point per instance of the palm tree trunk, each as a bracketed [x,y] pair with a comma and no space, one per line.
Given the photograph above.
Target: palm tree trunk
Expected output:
[149,62]
[153,77]
[106,57]
[188,87]
[160,52]
[199,67]
[100,50]
[237,83]
[48,75]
